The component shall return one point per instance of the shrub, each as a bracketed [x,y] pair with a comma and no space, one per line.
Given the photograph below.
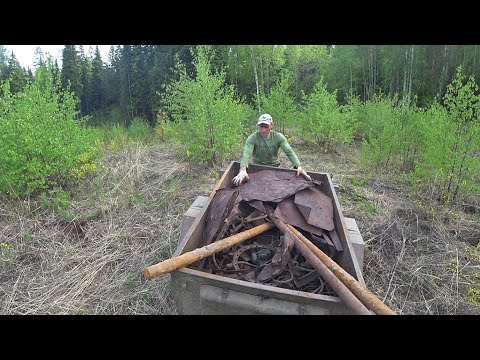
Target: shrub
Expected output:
[323,120]
[139,130]
[207,118]
[41,142]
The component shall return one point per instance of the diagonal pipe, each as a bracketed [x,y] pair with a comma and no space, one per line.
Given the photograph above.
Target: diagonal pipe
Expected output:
[360,291]
[340,289]
[190,257]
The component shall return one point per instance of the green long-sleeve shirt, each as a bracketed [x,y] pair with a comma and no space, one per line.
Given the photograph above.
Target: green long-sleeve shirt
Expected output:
[265,151]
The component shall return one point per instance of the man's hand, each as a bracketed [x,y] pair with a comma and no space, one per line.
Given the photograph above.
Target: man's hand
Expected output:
[302,172]
[242,174]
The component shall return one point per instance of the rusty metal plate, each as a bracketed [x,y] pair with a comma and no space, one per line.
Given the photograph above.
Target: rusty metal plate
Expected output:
[336,240]
[222,204]
[316,207]
[272,185]
[288,212]
[256,204]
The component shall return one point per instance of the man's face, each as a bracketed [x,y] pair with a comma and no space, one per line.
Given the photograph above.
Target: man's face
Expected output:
[265,130]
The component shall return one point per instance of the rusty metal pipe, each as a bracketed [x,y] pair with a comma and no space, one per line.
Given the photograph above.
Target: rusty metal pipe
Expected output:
[361,292]
[190,257]
[340,289]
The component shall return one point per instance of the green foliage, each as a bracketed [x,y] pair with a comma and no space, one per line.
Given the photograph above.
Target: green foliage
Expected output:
[281,104]
[3,61]
[375,115]
[463,104]
[116,116]
[473,279]
[434,159]
[354,106]
[367,206]
[353,190]
[6,252]
[323,121]
[139,130]
[57,200]
[115,136]
[307,64]
[395,135]
[207,116]
[450,161]
[109,117]
[134,73]
[112,136]
[11,70]
[341,74]
[360,182]
[41,143]
[245,64]
[438,147]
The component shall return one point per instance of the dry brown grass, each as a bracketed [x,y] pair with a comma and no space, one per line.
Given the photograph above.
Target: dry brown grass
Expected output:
[415,249]
[130,218]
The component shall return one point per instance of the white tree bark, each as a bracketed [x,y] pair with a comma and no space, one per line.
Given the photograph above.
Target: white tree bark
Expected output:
[256,77]
[410,74]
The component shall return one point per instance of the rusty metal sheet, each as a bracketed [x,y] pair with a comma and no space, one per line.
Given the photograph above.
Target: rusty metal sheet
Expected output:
[336,240]
[272,185]
[222,204]
[316,207]
[280,259]
[256,204]
[323,240]
[289,213]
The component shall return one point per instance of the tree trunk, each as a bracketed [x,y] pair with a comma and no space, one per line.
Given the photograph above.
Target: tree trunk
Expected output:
[351,79]
[444,75]
[256,77]
[405,74]
[474,57]
[410,74]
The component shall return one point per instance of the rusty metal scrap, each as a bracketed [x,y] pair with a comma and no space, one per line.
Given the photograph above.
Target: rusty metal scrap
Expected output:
[336,240]
[246,207]
[289,213]
[252,261]
[193,256]
[221,206]
[270,258]
[272,185]
[279,260]
[340,288]
[316,207]
[367,298]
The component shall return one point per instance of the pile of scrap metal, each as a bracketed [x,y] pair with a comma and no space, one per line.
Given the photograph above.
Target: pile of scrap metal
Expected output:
[270,258]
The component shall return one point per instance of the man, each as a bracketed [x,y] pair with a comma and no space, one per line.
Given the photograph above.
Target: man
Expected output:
[263,146]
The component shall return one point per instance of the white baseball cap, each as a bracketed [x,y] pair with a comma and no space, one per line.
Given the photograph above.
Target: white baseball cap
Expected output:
[265,119]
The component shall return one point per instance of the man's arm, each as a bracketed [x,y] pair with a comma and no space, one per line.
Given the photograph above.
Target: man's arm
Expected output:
[247,152]
[293,158]
[288,150]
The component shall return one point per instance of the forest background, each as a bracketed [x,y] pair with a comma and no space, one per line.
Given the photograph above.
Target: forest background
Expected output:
[406,113]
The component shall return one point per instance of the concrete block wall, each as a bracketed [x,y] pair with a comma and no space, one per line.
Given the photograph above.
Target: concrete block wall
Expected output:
[356,240]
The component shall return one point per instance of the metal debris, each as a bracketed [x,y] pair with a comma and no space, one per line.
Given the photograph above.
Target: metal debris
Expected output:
[221,206]
[270,258]
[272,185]
[316,207]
